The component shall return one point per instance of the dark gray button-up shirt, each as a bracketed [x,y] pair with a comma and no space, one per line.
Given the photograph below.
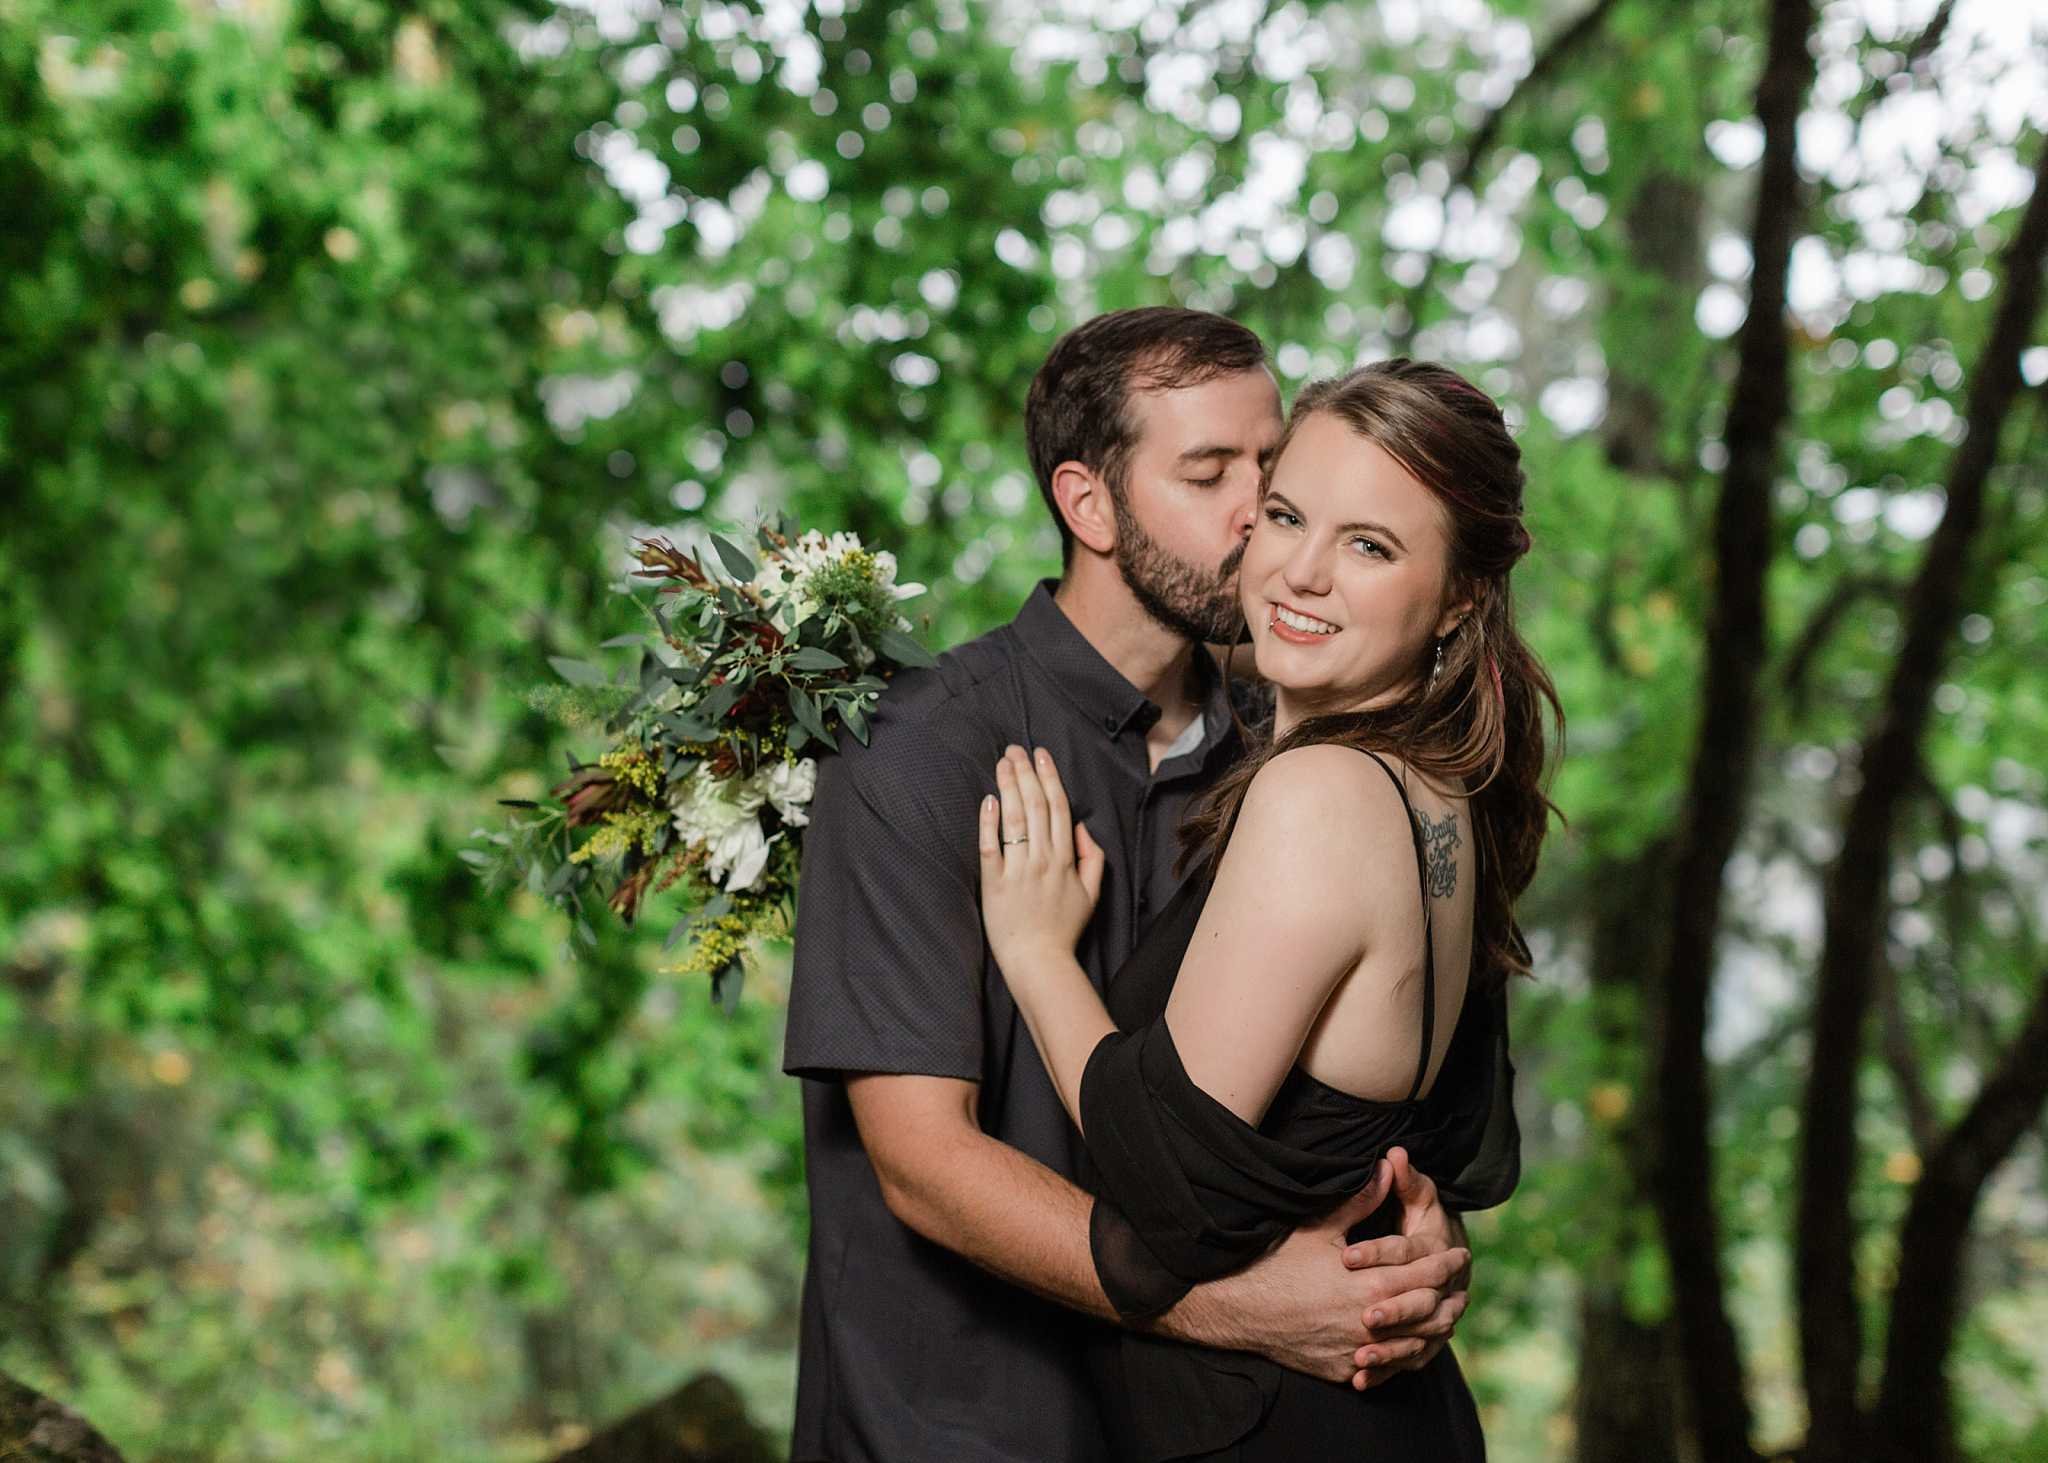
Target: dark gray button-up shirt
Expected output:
[908,1353]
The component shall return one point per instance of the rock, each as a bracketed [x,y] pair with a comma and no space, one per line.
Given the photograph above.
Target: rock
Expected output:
[34,1429]
[702,1421]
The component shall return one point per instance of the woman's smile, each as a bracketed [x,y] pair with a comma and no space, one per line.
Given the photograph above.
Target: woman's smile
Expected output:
[1297,628]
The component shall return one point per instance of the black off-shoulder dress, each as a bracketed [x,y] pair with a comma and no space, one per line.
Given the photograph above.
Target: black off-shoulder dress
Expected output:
[1187,1191]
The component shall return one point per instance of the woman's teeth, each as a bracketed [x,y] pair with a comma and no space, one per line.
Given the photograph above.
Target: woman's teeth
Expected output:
[1303,623]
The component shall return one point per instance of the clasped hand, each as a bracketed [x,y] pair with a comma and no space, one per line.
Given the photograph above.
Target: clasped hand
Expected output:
[1040,871]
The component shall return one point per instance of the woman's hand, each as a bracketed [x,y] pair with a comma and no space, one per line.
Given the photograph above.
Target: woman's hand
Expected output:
[1040,872]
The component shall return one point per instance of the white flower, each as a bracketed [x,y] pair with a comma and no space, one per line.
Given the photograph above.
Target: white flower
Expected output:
[769,579]
[789,788]
[738,855]
[885,576]
[720,814]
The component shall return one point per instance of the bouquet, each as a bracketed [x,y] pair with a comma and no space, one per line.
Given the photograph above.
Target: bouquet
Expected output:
[749,672]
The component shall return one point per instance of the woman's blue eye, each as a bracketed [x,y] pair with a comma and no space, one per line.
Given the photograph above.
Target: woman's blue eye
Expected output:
[1372,549]
[1276,515]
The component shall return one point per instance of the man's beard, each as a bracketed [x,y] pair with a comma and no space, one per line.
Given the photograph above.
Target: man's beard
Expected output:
[1196,604]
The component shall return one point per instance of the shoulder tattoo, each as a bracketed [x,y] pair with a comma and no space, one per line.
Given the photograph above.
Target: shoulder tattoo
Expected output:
[1440,843]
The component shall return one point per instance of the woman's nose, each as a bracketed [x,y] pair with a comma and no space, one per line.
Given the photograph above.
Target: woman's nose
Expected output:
[1307,569]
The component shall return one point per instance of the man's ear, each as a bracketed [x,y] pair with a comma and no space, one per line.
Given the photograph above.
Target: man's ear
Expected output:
[1082,498]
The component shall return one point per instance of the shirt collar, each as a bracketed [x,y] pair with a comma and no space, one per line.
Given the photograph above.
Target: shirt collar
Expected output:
[1098,689]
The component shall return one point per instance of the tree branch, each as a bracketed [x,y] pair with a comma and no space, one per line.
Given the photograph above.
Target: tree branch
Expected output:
[1829,1324]
[1912,1422]
[1820,627]
[1548,61]
[1904,1061]
[1723,760]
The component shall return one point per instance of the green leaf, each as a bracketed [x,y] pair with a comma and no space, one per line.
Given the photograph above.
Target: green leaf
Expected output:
[812,658]
[676,931]
[733,557]
[717,701]
[618,642]
[902,649]
[856,722]
[805,710]
[577,672]
[726,984]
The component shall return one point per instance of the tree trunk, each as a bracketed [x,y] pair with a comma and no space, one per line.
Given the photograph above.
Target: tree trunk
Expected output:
[1717,1406]
[1830,1332]
[1625,1407]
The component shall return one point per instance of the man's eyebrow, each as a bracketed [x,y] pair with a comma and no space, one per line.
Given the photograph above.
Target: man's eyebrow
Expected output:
[1197,454]
[1364,526]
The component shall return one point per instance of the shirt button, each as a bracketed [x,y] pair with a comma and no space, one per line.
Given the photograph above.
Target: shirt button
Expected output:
[1109,725]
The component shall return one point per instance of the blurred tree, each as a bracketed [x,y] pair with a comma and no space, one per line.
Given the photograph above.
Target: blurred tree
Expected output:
[343,343]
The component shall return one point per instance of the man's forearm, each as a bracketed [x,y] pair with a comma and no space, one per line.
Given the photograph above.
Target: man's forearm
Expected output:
[1009,1214]
[1014,1217]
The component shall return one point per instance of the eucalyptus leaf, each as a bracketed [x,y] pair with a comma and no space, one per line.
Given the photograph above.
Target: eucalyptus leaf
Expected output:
[733,557]
[717,701]
[814,658]
[577,672]
[805,710]
[904,650]
[727,982]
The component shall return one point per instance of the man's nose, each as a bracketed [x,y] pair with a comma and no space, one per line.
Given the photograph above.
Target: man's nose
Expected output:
[1247,514]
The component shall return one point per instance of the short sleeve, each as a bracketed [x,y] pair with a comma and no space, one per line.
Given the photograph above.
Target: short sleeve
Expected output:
[887,974]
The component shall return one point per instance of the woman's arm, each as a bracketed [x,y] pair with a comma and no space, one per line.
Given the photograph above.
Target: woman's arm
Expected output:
[1316,874]
[1292,911]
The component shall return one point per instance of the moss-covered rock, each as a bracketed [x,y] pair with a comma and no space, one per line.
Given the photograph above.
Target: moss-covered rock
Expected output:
[702,1421]
[34,1429]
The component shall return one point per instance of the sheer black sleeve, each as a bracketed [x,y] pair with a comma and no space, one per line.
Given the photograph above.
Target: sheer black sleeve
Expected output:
[1187,1191]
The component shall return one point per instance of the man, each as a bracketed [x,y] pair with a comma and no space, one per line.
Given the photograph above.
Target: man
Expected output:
[950,1282]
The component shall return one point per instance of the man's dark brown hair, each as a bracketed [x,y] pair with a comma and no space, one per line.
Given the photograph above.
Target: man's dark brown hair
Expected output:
[1079,406]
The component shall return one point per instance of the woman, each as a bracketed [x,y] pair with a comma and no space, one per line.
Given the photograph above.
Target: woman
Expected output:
[1306,1003]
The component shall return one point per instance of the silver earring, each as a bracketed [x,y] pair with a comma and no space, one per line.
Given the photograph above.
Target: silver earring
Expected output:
[1438,668]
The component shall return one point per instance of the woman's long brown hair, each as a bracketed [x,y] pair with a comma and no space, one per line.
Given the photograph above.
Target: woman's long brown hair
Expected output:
[1479,721]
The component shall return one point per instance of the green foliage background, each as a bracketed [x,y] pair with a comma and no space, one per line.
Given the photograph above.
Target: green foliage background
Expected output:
[343,344]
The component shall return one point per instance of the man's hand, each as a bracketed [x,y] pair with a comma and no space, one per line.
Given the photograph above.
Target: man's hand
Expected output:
[1406,1331]
[1297,1309]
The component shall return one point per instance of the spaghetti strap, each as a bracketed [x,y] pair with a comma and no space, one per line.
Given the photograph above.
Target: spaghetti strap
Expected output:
[1428,932]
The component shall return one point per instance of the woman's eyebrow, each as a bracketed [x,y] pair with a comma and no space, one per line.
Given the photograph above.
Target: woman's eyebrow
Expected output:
[1365,526]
